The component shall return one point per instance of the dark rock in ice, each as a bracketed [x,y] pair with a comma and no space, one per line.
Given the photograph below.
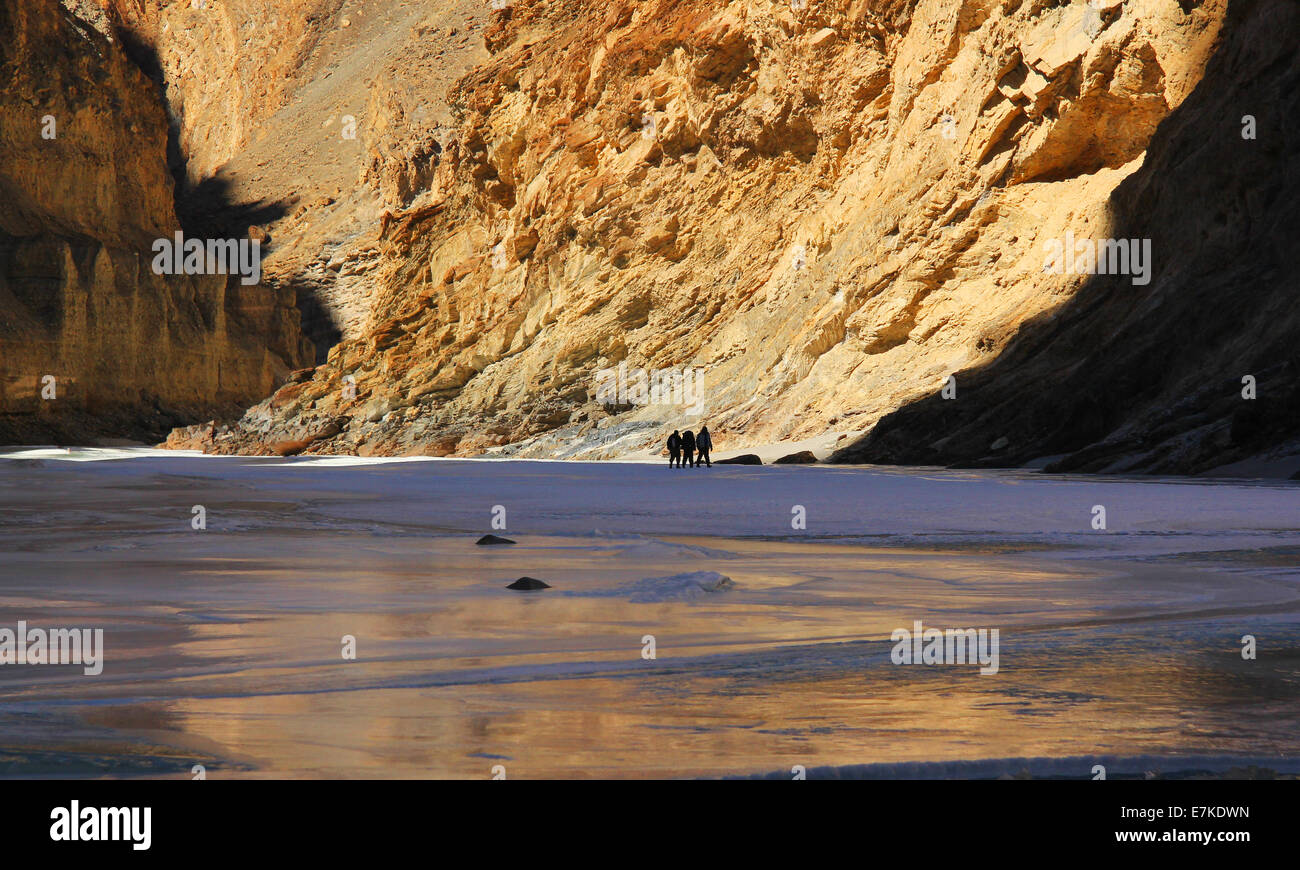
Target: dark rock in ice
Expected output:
[743,459]
[489,540]
[528,584]
[803,457]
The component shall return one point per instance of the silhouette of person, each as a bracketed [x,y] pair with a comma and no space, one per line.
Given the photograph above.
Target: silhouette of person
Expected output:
[688,448]
[674,450]
[703,443]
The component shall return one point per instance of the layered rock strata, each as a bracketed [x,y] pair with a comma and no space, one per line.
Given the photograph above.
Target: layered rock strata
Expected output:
[826,209]
[92,341]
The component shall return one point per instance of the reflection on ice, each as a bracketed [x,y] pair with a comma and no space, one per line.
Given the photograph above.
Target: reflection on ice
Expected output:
[222,646]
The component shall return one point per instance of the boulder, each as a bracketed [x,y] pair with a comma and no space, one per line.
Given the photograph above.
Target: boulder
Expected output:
[742,459]
[528,584]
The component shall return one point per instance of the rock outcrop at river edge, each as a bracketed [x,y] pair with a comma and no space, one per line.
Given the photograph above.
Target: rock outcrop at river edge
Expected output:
[825,209]
[1197,370]
[92,342]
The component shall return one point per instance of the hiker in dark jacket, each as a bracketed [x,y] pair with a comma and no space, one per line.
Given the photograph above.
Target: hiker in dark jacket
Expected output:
[704,443]
[688,448]
[674,450]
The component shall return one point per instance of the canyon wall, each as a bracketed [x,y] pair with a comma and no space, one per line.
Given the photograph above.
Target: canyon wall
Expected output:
[828,211]
[92,342]
[277,111]
[824,208]
[1197,371]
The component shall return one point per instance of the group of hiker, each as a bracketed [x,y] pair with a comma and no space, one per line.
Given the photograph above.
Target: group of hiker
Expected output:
[690,450]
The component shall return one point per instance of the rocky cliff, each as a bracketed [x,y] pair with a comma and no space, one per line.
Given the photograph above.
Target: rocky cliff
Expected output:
[92,341]
[837,215]
[1197,371]
[824,209]
[281,115]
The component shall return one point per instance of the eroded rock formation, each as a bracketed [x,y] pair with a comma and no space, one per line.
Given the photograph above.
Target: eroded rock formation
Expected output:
[1200,368]
[92,342]
[282,114]
[826,209]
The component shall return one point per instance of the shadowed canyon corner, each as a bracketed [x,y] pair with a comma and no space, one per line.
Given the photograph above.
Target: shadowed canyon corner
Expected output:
[463,389]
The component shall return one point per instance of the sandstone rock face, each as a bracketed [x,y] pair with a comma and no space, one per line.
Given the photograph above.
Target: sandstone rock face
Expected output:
[1194,371]
[826,210]
[91,340]
[305,119]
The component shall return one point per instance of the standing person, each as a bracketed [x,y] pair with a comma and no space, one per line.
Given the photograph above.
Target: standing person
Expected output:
[688,448]
[674,450]
[704,443]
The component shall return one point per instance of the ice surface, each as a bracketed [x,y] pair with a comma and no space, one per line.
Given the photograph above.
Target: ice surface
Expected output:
[679,587]
[222,646]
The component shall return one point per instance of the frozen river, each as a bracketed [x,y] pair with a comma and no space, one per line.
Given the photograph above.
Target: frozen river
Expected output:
[226,646]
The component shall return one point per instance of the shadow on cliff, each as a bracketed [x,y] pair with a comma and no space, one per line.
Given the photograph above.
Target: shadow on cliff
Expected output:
[210,209]
[1150,378]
